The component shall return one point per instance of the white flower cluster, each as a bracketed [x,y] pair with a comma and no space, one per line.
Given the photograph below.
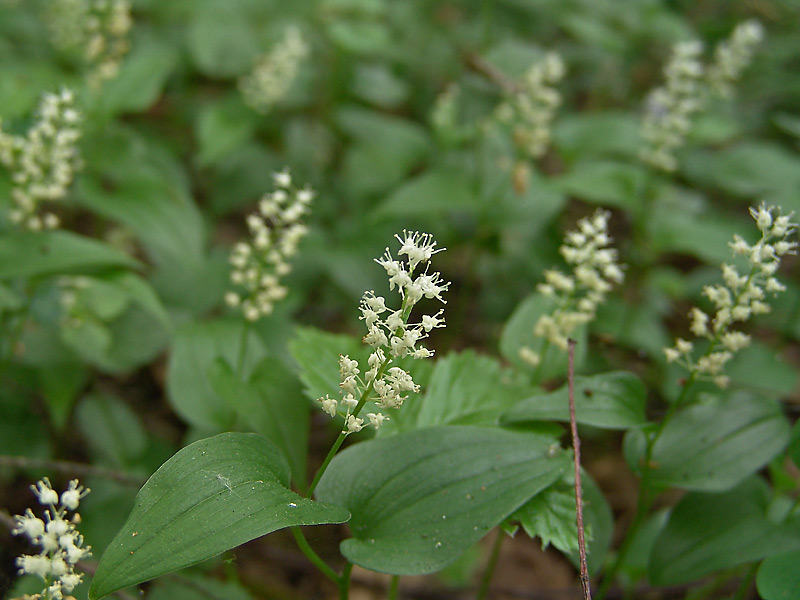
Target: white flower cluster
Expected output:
[531,107]
[58,537]
[390,335]
[741,297]
[669,109]
[276,231]
[97,28]
[43,163]
[274,73]
[732,56]
[594,271]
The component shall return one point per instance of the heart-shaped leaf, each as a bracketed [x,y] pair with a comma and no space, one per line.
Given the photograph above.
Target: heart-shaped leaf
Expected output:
[420,499]
[213,495]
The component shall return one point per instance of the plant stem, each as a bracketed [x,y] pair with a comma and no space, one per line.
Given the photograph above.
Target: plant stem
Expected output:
[344,582]
[331,453]
[576,448]
[483,590]
[242,350]
[747,581]
[394,586]
[315,558]
[72,468]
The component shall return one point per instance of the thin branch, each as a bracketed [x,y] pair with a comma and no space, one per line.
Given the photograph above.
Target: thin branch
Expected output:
[70,468]
[576,447]
[480,65]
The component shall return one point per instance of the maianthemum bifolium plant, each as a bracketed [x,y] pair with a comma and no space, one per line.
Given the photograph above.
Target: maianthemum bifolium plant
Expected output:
[136,135]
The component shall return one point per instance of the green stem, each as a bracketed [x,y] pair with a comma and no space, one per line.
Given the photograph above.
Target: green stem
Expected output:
[747,582]
[483,590]
[331,453]
[242,350]
[394,586]
[315,558]
[344,582]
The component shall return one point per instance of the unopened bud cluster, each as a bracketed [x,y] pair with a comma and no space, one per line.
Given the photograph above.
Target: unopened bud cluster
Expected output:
[531,108]
[58,537]
[43,162]
[733,55]
[276,230]
[740,297]
[670,108]
[274,73]
[390,335]
[595,270]
[98,29]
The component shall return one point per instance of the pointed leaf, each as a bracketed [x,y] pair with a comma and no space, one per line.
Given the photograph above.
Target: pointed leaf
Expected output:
[420,499]
[779,578]
[211,496]
[707,532]
[614,400]
[715,445]
[30,254]
[317,352]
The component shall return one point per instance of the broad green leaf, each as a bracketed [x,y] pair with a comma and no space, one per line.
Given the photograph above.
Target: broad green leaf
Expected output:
[465,389]
[714,445]
[434,192]
[220,39]
[707,532]
[195,349]
[378,85]
[420,499]
[188,586]
[518,333]
[211,496]
[29,254]
[614,400]
[112,430]
[602,134]
[317,352]
[360,37]
[222,127]
[141,79]
[604,182]
[550,516]
[778,577]
[270,403]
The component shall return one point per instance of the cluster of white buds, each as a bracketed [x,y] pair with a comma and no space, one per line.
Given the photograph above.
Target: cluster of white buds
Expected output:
[594,272]
[742,296]
[43,163]
[532,106]
[276,231]
[390,335]
[58,537]
[732,56]
[274,73]
[669,109]
[97,28]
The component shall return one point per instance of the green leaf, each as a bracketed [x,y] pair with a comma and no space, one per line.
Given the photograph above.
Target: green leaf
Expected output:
[420,499]
[550,516]
[707,532]
[465,388]
[195,349]
[434,192]
[210,497]
[269,403]
[317,352]
[603,182]
[794,444]
[29,254]
[714,445]
[223,127]
[220,39]
[779,578]
[112,430]
[141,79]
[614,400]
[587,134]
[518,333]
